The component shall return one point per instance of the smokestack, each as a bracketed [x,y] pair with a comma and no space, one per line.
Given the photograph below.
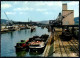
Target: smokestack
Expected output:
[64,7]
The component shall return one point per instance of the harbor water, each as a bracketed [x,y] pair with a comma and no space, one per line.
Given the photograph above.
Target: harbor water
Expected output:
[9,40]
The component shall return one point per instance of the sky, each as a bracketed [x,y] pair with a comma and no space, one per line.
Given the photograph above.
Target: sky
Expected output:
[35,10]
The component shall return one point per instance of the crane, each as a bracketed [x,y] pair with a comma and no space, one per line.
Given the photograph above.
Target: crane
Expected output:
[9,23]
[62,17]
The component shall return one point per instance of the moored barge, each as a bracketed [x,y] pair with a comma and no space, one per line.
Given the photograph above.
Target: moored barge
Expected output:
[37,46]
[36,43]
[23,45]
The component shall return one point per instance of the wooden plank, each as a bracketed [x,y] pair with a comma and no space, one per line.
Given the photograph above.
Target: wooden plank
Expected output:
[46,51]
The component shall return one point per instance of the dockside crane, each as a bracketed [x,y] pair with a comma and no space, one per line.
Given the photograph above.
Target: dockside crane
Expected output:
[59,21]
[8,23]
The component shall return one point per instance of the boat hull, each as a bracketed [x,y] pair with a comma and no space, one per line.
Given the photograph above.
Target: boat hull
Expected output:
[36,49]
[21,48]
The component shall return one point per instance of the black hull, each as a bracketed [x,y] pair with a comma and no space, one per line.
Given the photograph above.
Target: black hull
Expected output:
[6,31]
[27,28]
[12,30]
[21,49]
[22,28]
[32,30]
[36,49]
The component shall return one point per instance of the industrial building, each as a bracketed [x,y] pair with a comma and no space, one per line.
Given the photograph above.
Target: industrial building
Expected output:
[68,15]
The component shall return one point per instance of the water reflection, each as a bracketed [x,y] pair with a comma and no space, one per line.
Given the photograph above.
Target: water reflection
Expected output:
[21,53]
[19,31]
[25,31]
[35,53]
[11,34]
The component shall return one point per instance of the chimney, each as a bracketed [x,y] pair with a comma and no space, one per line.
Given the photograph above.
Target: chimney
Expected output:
[64,7]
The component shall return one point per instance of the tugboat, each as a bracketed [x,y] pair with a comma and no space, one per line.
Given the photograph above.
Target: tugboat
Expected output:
[23,45]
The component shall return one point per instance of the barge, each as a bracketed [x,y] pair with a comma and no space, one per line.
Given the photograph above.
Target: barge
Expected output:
[37,46]
[36,43]
[23,45]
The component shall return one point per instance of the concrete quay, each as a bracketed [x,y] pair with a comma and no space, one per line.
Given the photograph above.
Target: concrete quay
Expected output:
[56,47]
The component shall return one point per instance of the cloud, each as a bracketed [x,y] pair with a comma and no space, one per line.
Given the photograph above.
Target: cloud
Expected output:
[10,13]
[4,6]
[15,2]
[21,12]
[39,6]
[74,6]
[39,3]
[26,2]
[47,3]
[46,12]
[20,2]
[73,3]
[40,9]
[22,9]
[54,3]
[48,6]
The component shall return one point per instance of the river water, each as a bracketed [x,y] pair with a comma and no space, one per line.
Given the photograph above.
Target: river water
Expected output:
[9,40]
